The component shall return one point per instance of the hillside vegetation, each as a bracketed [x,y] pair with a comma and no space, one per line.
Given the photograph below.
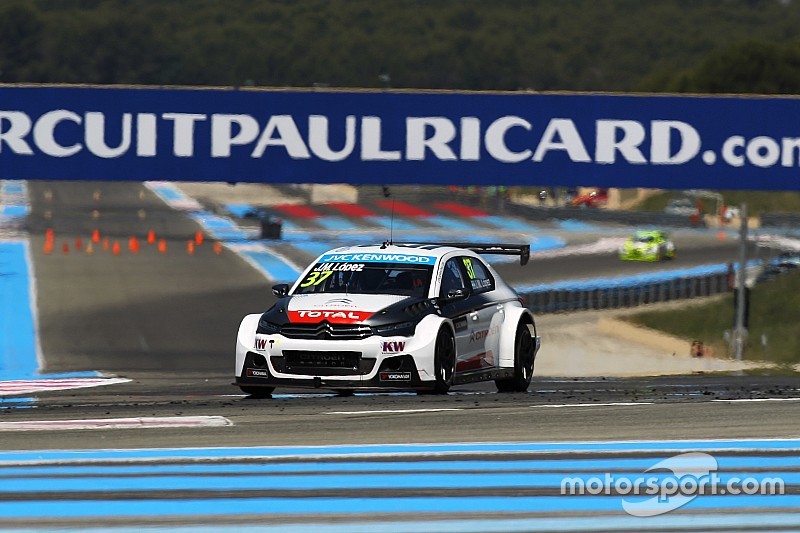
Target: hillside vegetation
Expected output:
[773,315]
[588,45]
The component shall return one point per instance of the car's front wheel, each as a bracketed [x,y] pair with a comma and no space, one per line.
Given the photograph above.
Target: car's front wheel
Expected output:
[257,392]
[444,361]
[524,354]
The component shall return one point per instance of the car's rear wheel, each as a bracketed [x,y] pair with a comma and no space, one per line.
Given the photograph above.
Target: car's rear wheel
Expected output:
[444,361]
[257,392]
[524,354]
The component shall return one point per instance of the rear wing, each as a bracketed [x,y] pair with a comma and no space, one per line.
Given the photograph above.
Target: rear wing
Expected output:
[521,250]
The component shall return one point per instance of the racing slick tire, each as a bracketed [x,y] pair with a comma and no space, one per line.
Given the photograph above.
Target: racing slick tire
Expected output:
[524,354]
[258,392]
[444,361]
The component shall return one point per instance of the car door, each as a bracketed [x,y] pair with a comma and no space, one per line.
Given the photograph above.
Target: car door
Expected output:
[484,340]
[459,310]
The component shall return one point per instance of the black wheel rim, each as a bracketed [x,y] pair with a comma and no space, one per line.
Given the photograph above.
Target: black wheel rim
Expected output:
[525,351]
[447,353]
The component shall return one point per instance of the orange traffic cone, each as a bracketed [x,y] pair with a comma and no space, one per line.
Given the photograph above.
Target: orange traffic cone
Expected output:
[133,244]
[217,247]
[78,243]
[190,247]
[115,248]
[89,249]
[96,236]
[65,248]
[162,246]
[151,237]
[198,238]
[49,235]
[721,235]
[106,244]
[48,247]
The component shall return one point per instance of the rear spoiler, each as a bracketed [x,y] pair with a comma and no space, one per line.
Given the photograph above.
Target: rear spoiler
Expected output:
[522,250]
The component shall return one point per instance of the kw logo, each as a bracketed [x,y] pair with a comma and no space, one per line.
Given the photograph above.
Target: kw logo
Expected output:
[392,346]
[261,343]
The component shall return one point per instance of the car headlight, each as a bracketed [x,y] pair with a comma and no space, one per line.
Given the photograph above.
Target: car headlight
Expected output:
[265,326]
[399,328]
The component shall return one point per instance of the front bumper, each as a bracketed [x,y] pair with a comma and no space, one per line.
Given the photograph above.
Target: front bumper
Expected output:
[398,362]
[634,254]
[395,372]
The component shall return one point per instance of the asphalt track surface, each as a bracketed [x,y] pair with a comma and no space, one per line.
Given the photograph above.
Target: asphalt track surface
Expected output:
[168,322]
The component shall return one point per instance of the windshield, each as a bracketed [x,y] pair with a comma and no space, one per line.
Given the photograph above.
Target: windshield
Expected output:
[367,278]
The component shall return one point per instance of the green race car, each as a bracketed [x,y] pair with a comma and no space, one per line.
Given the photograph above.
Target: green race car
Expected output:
[652,245]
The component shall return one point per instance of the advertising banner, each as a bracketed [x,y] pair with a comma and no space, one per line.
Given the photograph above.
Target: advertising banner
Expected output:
[399,137]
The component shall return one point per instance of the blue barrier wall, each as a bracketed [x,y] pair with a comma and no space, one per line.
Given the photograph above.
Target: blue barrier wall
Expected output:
[280,136]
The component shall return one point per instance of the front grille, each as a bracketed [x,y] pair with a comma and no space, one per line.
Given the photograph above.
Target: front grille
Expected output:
[325,330]
[325,363]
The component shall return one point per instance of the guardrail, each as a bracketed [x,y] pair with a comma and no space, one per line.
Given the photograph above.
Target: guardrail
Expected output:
[635,290]
[566,300]
[780,220]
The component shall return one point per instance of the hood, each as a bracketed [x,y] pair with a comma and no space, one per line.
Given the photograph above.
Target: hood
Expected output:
[640,245]
[338,308]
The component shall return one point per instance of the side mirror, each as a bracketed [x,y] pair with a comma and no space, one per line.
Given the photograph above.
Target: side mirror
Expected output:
[456,294]
[280,290]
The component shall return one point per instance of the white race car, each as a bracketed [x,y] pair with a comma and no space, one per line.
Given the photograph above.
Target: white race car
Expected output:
[394,316]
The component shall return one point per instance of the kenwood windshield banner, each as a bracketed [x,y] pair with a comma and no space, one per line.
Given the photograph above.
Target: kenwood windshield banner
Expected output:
[294,136]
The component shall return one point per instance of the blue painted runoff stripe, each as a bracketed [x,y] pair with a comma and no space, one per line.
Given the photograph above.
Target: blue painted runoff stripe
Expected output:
[359,505]
[512,224]
[673,521]
[358,481]
[564,466]
[396,224]
[241,210]
[390,450]
[222,228]
[271,265]
[19,351]
[335,223]
[14,211]
[575,225]
[217,469]
[168,192]
[14,196]
[451,223]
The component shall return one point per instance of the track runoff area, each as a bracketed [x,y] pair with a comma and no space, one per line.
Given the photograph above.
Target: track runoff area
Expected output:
[175,449]
[545,470]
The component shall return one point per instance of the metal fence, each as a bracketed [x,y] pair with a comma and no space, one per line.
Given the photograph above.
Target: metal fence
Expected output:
[780,220]
[560,301]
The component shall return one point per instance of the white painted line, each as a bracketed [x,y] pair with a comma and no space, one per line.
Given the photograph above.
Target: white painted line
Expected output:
[117,423]
[392,411]
[28,386]
[618,404]
[740,400]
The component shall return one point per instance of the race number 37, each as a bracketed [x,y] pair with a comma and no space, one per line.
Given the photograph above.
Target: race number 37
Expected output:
[315,278]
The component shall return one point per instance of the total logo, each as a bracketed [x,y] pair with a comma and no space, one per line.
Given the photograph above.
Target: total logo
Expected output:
[332,316]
